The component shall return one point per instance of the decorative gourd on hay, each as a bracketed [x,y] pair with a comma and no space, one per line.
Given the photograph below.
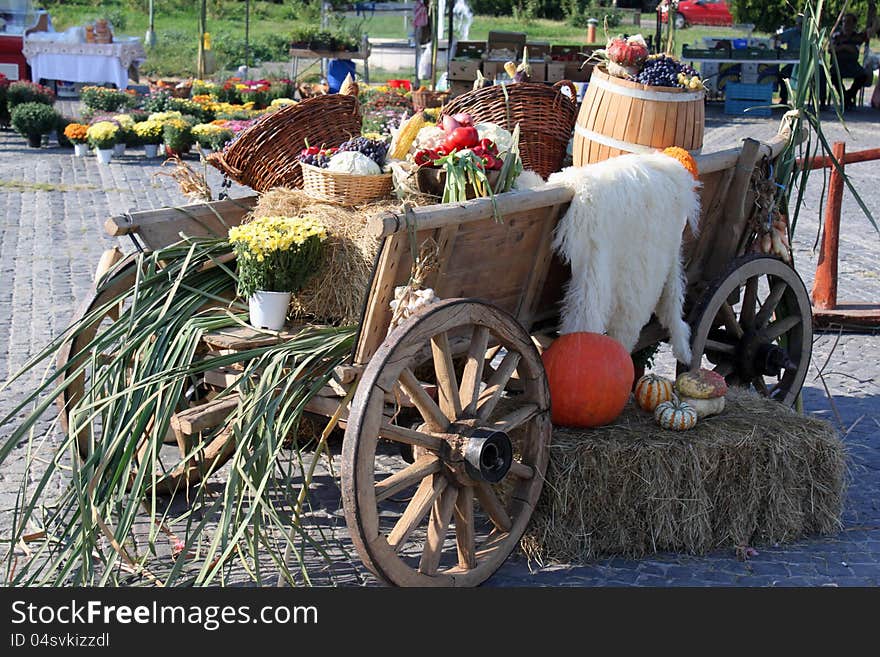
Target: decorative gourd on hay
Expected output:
[675,415]
[703,391]
[652,390]
[590,377]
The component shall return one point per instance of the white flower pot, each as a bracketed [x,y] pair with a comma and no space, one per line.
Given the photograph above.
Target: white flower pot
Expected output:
[268,309]
[80,150]
[119,149]
[104,155]
[151,150]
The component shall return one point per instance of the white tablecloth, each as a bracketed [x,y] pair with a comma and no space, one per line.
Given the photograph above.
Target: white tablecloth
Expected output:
[83,62]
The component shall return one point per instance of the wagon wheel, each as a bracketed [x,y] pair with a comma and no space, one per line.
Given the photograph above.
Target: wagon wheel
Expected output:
[211,456]
[754,326]
[481,450]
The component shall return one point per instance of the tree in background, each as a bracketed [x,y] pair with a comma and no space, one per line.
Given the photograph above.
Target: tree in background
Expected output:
[769,15]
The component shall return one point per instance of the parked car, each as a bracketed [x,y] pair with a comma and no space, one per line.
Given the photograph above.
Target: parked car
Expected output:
[700,12]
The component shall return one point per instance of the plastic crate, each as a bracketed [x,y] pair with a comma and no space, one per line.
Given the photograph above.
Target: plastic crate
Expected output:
[753,53]
[739,107]
[745,91]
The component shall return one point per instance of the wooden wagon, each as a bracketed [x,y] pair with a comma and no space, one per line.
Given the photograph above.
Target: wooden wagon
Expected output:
[456,396]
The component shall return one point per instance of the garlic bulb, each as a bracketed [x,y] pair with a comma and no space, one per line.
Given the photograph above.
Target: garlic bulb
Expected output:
[407,301]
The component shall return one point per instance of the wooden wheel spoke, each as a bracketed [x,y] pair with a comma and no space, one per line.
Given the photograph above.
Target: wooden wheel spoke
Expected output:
[769,306]
[517,418]
[447,386]
[464,528]
[424,466]
[441,515]
[496,385]
[493,507]
[728,316]
[720,347]
[410,437]
[750,300]
[429,490]
[472,375]
[431,413]
[521,470]
[781,326]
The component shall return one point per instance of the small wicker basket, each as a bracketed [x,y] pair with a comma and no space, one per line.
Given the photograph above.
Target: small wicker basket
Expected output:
[345,188]
[425,98]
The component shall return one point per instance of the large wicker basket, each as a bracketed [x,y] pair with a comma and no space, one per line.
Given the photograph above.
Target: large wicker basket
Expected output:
[545,115]
[345,188]
[425,98]
[265,155]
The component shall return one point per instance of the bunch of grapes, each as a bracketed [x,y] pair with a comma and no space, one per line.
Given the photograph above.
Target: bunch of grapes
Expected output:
[317,157]
[663,71]
[375,149]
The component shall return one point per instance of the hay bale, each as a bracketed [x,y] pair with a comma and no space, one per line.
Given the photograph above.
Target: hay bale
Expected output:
[757,473]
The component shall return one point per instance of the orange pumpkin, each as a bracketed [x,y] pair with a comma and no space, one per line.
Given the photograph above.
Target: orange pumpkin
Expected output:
[590,377]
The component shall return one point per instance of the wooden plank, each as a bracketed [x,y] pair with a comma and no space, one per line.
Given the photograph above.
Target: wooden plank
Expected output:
[541,265]
[436,216]
[206,416]
[158,228]
[240,338]
[853,316]
[393,266]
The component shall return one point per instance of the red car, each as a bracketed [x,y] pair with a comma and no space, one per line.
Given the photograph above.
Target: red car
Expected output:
[700,12]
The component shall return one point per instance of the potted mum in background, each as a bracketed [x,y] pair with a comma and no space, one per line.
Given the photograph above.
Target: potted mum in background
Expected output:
[178,137]
[76,134]
[126,136]
[150,134]
[211,137]
[102,137]
[275,256]
[33,120]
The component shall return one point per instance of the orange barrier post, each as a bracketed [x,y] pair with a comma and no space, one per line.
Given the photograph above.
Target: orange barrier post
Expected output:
[826,309]
[825,284]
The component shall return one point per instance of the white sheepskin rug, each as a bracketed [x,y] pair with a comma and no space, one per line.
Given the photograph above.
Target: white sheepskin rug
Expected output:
[622,235]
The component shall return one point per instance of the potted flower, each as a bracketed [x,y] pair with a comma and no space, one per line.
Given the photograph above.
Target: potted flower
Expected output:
[22,92]
[126,136]
[178,137]
[76,133]
[275,257]
[102,137]
[33,120]
[149,133]
[211,137]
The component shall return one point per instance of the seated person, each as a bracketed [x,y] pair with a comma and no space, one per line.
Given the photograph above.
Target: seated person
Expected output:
[846,42]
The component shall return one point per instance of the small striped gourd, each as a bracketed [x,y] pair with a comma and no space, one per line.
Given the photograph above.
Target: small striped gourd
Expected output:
[675,415]
[652,390]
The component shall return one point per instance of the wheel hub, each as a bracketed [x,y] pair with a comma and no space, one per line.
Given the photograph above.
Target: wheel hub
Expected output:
[757,356]
[474,454]
[488,454]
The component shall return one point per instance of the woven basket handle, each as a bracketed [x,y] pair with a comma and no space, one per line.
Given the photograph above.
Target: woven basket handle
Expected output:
[224,165]
[571,88]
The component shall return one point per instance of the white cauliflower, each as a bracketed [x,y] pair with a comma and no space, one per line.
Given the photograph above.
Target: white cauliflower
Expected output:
[430,136]
[353,162]
[502,138]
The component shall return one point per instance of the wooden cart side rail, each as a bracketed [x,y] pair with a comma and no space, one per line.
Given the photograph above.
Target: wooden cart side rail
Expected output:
[162,227]
[438,216]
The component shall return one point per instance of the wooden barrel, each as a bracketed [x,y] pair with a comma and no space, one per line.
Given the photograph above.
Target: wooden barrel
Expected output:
[618,116]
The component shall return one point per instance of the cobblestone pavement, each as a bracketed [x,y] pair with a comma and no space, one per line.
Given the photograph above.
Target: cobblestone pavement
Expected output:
[52,207]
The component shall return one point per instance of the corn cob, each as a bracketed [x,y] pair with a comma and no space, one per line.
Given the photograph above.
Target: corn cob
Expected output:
[407,135]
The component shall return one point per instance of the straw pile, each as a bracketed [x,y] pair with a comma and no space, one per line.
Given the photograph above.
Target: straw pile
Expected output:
[755,474]
[335,294]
